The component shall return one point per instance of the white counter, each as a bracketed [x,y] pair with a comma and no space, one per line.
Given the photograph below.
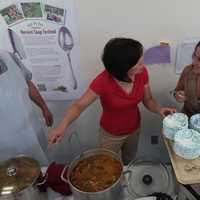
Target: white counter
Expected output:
[51,195]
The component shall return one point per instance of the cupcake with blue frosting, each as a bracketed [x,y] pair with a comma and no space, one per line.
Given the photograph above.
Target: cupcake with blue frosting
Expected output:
[187,143]
[195,122]
[173,123]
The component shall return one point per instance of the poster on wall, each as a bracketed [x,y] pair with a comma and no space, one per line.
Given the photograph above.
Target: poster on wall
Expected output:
[43,35]
[184,53]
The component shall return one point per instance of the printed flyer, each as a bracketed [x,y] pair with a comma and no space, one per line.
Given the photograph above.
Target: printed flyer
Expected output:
[44,37]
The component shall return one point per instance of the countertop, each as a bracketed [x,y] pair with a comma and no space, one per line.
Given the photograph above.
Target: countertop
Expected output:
[51,195]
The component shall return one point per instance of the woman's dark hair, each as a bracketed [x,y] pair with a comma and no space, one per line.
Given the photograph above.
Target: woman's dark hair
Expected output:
[197,45]
[121,54]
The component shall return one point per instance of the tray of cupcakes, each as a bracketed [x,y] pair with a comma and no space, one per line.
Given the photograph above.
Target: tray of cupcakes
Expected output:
[182,139]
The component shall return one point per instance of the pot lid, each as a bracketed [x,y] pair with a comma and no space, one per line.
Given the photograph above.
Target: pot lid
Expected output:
[145,177]
[17,174]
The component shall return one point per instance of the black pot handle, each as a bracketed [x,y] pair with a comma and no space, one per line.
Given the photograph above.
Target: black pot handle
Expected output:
[44,181]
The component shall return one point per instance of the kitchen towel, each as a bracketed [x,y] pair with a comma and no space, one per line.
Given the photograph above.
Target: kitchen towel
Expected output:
[52,179]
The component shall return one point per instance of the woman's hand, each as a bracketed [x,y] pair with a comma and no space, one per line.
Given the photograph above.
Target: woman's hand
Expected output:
[180,96]
[55,135]
[164,111]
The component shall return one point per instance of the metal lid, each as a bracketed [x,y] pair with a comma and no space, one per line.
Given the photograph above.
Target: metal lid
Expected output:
[146,177]
[17,174]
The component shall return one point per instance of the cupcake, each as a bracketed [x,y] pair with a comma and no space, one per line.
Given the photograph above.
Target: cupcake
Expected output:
[187,143]
[173,123]
[195,122]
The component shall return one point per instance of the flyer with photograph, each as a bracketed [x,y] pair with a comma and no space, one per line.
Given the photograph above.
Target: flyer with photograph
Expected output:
[11,14]
[32,9]
[44,37]
[54,14]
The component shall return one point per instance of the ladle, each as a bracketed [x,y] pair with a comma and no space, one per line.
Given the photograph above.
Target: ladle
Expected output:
[66,42]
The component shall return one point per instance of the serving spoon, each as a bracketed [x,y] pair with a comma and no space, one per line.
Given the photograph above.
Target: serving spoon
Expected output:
[66,42]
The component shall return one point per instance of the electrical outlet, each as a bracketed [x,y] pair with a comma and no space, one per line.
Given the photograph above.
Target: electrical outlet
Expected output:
[154,139]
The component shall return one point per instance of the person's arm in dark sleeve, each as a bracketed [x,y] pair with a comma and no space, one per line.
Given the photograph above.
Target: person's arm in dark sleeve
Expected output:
[38,100]
[180,83]
[179,93]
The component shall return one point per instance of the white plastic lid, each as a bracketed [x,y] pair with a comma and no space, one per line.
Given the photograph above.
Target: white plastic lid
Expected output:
[145,177]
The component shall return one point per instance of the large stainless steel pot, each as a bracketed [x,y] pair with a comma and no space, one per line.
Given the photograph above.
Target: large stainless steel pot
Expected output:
[114,192]
[18,179]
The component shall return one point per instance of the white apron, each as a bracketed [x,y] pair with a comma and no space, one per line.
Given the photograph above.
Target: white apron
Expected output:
[21,131]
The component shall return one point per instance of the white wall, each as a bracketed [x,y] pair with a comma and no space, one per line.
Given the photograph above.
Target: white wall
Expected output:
[146,21]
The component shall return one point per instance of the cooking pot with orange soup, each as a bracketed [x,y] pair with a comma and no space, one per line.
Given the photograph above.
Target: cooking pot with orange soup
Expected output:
[96,175]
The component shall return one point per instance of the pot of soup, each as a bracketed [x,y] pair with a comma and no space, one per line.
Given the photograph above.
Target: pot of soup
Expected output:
[96,175]
[18,178]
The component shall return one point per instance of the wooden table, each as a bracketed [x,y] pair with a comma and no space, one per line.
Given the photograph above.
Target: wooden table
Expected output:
[186,171]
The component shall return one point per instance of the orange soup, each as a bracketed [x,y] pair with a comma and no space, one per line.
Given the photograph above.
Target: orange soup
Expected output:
[96,173]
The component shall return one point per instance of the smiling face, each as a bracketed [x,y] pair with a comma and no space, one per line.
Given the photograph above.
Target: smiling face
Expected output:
[196,59]
[136,69]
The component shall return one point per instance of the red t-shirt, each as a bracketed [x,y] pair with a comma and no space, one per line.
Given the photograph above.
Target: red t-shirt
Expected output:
[121,114]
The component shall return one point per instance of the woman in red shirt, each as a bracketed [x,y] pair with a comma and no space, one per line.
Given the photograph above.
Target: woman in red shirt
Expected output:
[121,87]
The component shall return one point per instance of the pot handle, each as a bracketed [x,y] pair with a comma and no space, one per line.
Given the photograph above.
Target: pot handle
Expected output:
[45,179]
[62,174]
[124,182]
